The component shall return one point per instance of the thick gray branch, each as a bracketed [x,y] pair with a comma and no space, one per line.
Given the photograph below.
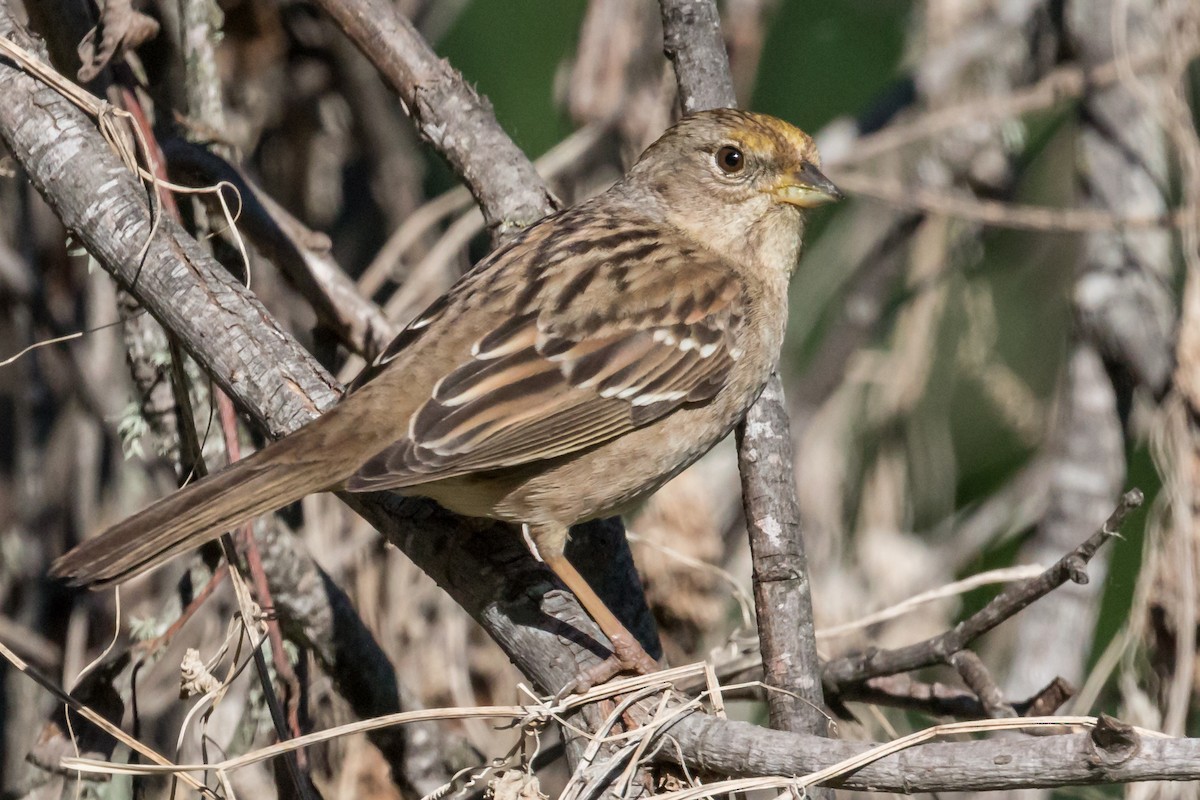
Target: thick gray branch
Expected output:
[692,40]
[782,590]
[725,747]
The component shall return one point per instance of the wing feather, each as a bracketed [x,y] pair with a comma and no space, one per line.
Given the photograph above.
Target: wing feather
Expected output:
[575,364]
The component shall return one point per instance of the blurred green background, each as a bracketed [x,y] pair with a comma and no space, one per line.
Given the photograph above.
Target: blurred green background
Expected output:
[821,59]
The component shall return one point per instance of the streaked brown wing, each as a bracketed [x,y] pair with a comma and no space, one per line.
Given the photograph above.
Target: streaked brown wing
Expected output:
[576,362]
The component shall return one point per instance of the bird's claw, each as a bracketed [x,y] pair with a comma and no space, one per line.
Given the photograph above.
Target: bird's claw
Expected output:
[628,656]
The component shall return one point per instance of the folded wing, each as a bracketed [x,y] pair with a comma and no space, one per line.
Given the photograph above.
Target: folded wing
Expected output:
[576,363]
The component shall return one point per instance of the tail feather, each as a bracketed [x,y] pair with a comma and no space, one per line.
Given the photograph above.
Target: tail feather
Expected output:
[192,516]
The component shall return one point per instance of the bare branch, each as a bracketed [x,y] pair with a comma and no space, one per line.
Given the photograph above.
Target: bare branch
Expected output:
[726,747]
[449,114]
[1071,567]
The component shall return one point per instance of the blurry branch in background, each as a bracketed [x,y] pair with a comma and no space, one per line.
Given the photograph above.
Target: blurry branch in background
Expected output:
[1068,82]
[746,24]
[1069,482]
[1168,597]
[301,254]
[618,75]
[875,388]
[435,272]
[1124,308]
[1004,214]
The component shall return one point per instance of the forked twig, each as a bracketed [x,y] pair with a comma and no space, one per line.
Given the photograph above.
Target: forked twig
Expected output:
[1071,567]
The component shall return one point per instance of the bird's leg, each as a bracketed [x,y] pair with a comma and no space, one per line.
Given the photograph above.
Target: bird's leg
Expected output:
[628,653]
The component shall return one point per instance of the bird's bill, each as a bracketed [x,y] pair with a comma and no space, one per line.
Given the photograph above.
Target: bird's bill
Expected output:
[807,188]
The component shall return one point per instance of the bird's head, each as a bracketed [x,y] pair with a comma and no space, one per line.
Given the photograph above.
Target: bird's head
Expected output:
[737,181]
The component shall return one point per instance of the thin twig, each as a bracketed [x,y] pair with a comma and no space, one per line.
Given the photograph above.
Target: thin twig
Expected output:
[1064,83]
[1071,567]
[978,677]
[940,700]
[388,261]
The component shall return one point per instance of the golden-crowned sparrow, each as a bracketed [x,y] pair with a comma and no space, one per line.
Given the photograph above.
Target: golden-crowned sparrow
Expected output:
[569,374]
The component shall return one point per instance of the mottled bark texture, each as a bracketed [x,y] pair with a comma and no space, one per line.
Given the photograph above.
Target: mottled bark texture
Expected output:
[787,635]
[738,748]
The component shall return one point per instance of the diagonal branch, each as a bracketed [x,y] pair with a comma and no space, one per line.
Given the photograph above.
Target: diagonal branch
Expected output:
[1071,567]
[449,113]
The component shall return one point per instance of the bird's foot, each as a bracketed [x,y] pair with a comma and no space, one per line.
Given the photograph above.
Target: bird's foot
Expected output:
[628,656]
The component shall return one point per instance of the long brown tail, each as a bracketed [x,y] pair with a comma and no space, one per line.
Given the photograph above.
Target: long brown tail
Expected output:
[199,513]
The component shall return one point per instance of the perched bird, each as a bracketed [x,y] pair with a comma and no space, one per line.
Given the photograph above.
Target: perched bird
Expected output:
[569,374]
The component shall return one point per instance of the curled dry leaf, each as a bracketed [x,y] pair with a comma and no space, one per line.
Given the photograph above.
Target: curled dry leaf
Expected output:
[120,29]
[515,784]
[194,677]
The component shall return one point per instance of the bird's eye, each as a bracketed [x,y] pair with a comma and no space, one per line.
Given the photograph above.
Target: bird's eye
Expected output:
[730,160]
